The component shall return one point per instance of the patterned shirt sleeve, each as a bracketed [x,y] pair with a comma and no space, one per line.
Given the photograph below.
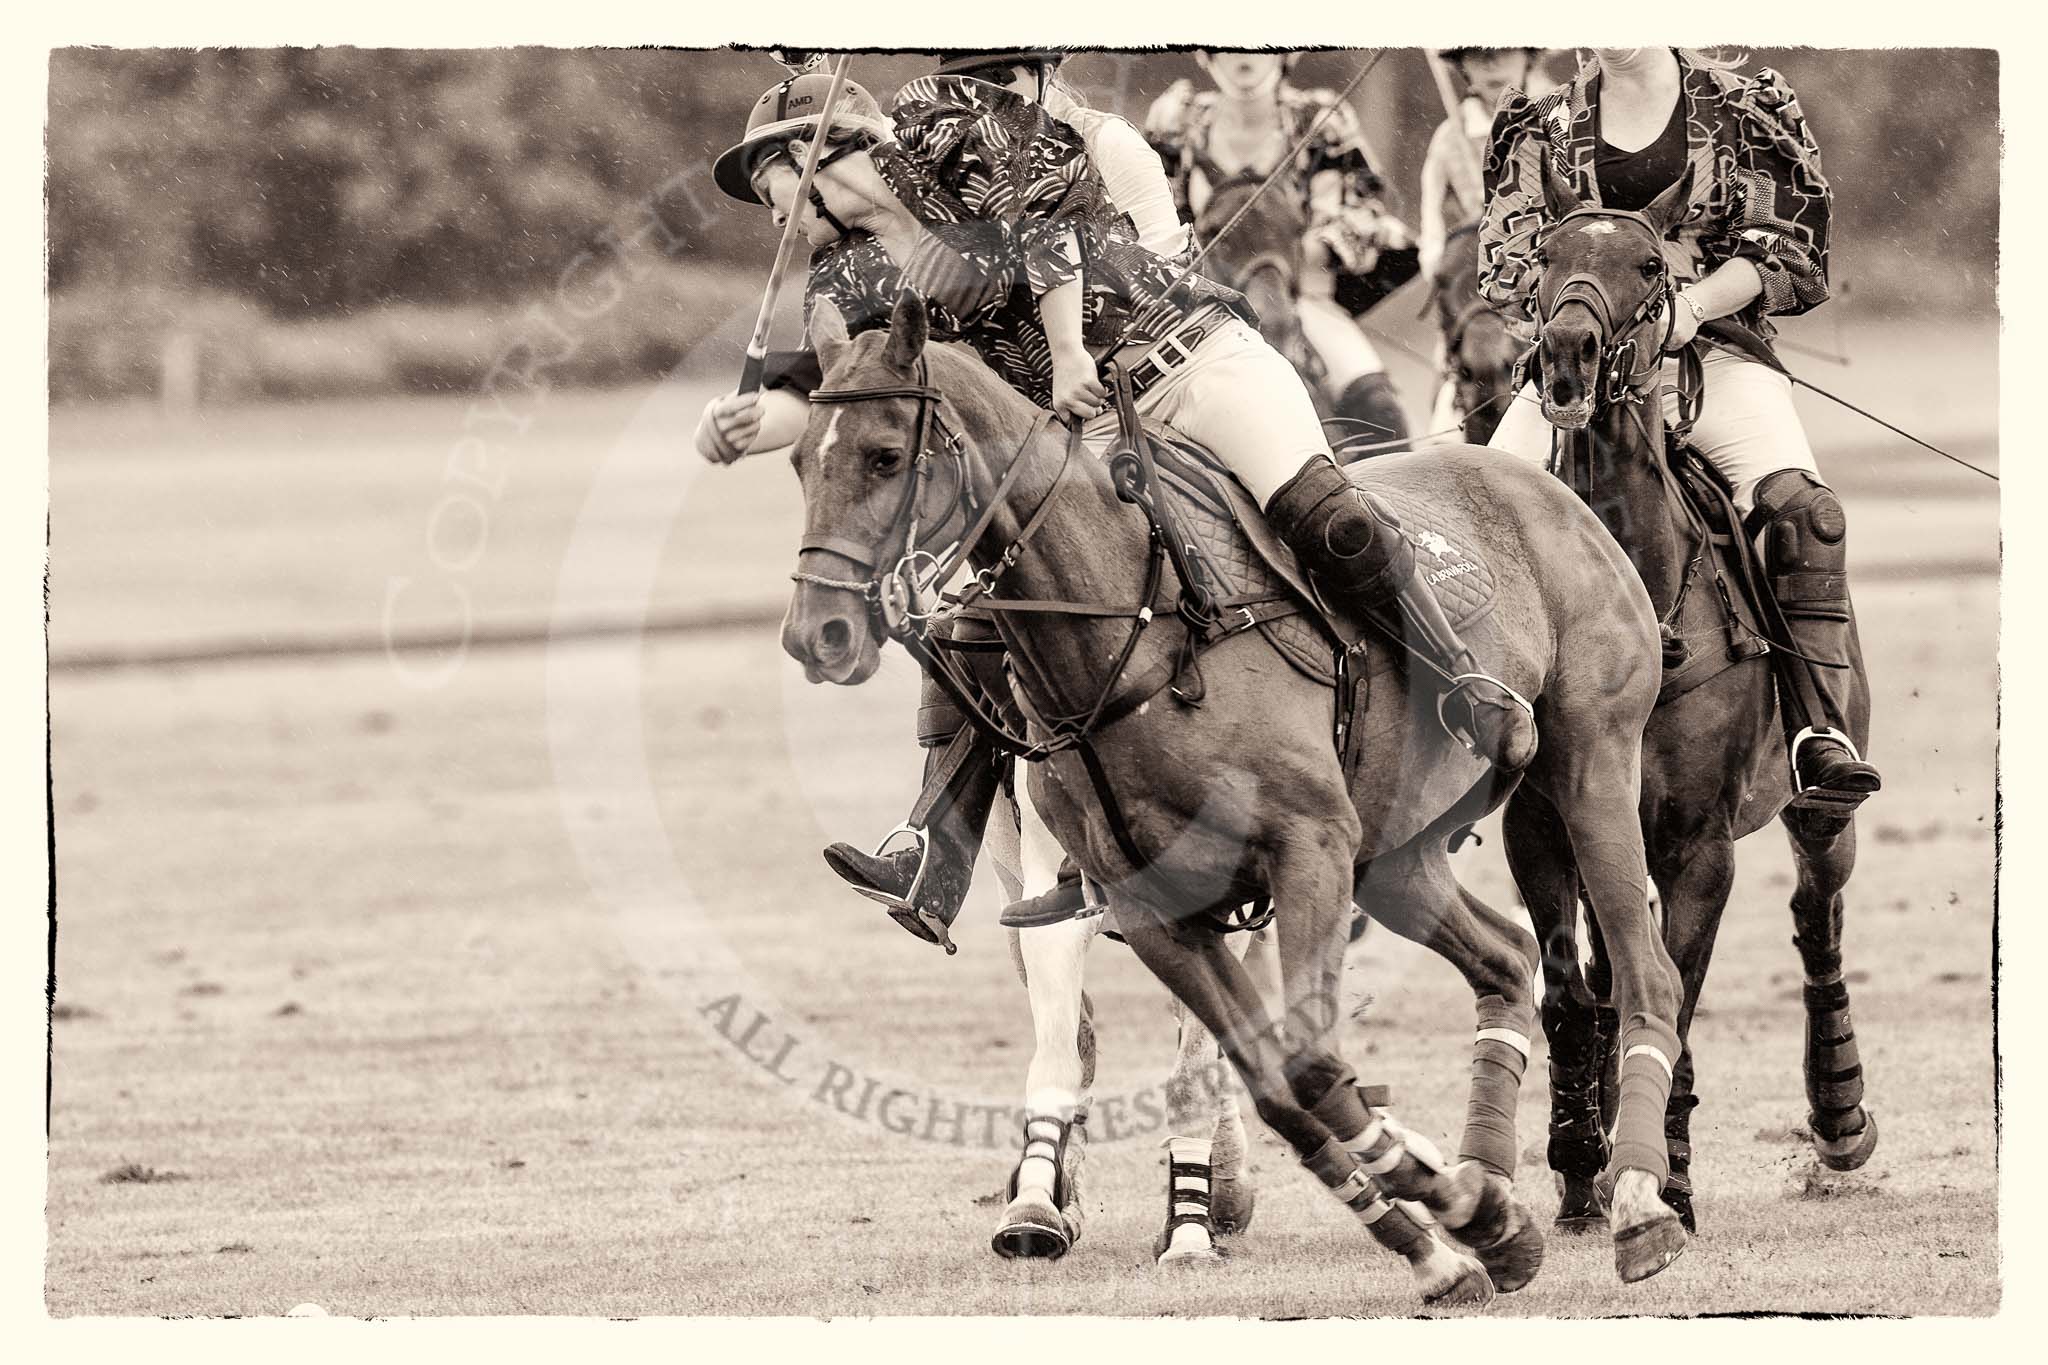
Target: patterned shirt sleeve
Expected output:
[1022,181]
[1779,202]
[1515,207]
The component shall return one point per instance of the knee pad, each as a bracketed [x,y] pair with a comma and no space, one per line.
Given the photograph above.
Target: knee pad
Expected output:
[1382,539]
[1805,543]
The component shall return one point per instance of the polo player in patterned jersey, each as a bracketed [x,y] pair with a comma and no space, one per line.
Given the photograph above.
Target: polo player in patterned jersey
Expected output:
[1355,251]
[1750,242]
[980,191]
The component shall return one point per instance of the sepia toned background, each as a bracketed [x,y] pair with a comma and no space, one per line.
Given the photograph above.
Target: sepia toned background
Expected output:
[426,771]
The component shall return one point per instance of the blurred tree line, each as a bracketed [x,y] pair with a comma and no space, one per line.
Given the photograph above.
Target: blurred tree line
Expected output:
[316,183]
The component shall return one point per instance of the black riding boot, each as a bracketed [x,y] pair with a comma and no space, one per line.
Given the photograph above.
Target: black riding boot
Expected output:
[1806,555]
[962,773]
[1352,545]
[1371,399]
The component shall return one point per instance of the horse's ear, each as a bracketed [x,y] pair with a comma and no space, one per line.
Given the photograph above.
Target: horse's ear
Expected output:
[1669,206]
[828,333]
[1558,195]
[909,330]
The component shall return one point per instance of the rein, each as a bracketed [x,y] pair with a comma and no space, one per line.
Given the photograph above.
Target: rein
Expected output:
[893,595]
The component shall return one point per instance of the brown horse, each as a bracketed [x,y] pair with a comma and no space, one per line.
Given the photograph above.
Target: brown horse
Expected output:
[1180,810]
[1714,758]
[1479,353]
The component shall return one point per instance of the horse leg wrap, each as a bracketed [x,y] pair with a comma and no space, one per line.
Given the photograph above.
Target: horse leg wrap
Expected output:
[1045,1141]
[1189,1177]
[1500,1057]
[1649,1052]
[1578,1139]
[1834,1067]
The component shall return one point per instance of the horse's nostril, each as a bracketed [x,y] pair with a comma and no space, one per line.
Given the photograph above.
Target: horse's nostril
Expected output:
[835,636]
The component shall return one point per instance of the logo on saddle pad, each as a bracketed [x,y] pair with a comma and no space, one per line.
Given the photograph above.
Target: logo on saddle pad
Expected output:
[1435,544]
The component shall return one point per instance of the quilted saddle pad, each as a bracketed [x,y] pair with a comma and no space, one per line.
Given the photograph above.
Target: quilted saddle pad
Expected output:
[1231,537]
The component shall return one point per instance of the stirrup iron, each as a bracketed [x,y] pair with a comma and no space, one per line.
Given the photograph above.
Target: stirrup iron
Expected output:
[1458,683]
[1804,792]
[906,904]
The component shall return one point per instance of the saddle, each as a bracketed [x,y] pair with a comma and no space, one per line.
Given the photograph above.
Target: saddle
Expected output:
[1225,534]
[1710,633]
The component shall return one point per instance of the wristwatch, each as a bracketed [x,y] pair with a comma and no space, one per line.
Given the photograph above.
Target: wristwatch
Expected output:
[1699,314]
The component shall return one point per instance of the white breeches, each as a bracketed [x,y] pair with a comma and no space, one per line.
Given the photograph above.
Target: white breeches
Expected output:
[1338,342]
[1240,398]
[1748,428]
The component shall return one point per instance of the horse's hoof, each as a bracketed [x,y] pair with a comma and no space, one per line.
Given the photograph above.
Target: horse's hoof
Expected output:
[1645,1249]
[1849,1151]
[1231,1202]
[1032,1230]
[1452,1279]
[1648,1235]
[1581,1208]
[1187,1245]
[1502,1235]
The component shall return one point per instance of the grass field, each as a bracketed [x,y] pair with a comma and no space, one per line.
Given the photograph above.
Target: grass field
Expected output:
[394,984]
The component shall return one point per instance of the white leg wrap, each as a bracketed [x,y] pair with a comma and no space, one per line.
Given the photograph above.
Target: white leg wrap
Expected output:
[1038,1168]
[1514,1038]
[1652,1051]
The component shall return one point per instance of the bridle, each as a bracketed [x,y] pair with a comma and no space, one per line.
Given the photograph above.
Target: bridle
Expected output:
[1628,380]
[1454,325]
[904,598]
[1622,379]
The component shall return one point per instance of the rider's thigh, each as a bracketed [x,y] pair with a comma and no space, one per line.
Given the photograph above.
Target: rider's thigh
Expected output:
[1523,429]
[1343,349]
[1241,399]
[1748,428]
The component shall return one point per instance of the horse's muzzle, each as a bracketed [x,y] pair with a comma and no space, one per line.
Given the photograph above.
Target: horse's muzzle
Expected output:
[1567,371]
[829,638]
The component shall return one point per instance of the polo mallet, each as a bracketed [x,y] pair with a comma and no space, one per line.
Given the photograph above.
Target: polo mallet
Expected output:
[757,348]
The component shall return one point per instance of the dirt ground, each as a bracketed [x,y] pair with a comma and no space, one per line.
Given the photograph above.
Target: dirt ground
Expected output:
[506,978]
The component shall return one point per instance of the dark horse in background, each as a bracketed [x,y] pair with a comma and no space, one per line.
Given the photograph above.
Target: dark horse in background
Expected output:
[1479,353]
[1714,754]
[1261,257]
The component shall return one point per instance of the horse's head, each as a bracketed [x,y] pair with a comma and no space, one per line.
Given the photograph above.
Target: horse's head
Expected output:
[863,461]
[1261,257]
[1479,351]
[1602,298]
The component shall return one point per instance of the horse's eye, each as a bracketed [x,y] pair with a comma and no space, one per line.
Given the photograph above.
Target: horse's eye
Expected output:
[885,462]
[1653,267]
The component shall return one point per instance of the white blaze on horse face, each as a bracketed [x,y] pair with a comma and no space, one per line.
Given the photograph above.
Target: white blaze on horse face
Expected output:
[831,437]
[1598,228]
